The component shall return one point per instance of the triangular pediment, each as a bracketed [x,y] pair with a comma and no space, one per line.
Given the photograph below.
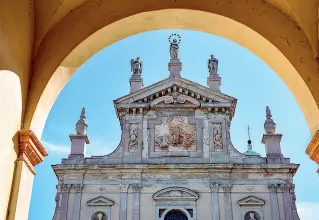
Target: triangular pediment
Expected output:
[176,193]
[100,201]
[174,91]
[251,201]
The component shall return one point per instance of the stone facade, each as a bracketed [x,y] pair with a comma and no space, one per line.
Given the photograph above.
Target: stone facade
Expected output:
[176,158]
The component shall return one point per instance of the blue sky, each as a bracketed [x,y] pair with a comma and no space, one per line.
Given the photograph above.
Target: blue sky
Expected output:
[105,77]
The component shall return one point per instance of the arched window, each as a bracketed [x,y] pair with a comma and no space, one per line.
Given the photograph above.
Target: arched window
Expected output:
[99,216]
[175,215]
[251,215]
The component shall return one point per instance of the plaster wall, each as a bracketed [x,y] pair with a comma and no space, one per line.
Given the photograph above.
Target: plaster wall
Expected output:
[10,118]
[24,196]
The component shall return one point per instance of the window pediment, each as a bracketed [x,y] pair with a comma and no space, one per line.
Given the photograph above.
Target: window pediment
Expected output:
[100,201]
[176,193]
[251,201]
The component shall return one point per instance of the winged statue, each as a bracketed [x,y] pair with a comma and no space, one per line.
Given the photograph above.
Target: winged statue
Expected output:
[136,66]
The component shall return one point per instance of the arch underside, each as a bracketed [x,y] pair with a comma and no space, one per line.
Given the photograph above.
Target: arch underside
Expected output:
[256,25]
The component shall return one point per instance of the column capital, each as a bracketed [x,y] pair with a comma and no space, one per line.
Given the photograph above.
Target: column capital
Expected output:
[136,188]
[214,187]
[227,188]
[285,187]
[65,187]
[124,188]
[31,151]
[78,188]
[272,188]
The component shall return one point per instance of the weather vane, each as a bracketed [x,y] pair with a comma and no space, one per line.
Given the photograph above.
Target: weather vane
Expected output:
[174,40]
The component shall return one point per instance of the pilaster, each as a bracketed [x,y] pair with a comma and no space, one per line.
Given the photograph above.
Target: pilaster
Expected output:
[136,201]
[274,201]
[228,202]
[287,200]
[123,202]
[31,152]
[77,201]
[293,200]
[65,191]
[215,200]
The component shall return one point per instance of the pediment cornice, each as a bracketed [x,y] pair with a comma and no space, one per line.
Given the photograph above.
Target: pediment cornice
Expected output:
[251,201]
[175,92]
[100,201]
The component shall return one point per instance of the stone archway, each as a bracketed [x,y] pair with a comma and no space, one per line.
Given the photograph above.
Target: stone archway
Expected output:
[37,66]
[55,64]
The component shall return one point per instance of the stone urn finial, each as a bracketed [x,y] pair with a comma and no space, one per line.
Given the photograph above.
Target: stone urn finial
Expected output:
[270,125]
[81,125]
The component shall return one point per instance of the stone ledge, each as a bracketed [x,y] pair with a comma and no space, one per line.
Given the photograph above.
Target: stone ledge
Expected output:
[31,151]
[313,148]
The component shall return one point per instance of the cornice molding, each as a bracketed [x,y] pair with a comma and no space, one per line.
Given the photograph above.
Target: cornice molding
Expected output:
[313,148]
[31,151]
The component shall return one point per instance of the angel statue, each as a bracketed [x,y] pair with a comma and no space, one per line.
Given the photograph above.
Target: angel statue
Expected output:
[212,65]
[136,66]
[174,49]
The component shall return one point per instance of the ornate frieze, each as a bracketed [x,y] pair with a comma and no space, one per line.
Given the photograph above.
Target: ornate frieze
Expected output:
[175,134]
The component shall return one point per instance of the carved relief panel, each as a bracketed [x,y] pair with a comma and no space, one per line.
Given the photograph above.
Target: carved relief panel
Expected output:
[217,137]
[175,133]
[133,137]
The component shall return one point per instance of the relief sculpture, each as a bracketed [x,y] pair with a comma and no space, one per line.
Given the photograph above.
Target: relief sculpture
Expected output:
[217,137]
[133,138]
[175,134]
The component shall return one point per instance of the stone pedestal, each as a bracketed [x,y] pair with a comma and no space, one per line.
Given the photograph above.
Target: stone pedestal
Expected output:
[175,68]
[78,145]
[136,83]
[214,82]
[273,148]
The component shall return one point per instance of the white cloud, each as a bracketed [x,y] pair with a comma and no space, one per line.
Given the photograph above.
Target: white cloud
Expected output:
[308,210]
[51,147]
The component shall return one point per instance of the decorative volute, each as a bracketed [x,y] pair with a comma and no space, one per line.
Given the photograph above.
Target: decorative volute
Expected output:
[270,125]
[81,125]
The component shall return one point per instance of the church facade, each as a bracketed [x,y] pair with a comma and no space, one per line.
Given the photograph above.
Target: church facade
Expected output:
[175,160]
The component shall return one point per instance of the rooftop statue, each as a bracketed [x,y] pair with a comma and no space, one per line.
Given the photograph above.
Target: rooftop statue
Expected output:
[136,66]
[174,47]
[212,65]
